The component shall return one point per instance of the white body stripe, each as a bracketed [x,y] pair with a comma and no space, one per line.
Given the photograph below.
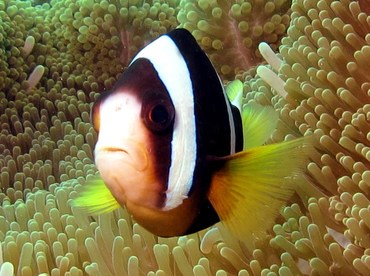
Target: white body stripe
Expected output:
[173,72]
[231,121]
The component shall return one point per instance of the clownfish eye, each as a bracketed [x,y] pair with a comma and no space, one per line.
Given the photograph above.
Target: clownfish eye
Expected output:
[158,114]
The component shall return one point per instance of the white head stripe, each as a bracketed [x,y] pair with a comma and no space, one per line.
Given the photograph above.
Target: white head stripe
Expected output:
[173,72]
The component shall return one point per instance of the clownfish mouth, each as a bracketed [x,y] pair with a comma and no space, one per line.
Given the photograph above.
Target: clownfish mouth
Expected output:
[132,154]
[111,149]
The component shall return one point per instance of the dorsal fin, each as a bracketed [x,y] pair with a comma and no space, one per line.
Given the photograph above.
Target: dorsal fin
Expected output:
[258,121]
[258,124]
[234,91]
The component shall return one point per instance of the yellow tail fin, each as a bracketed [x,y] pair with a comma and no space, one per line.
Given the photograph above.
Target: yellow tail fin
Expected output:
[251,187]
[95,198]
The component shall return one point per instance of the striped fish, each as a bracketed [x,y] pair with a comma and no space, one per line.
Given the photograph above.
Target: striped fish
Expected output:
[179,156]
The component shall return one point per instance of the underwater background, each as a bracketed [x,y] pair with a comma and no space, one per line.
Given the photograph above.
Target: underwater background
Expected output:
[57,56]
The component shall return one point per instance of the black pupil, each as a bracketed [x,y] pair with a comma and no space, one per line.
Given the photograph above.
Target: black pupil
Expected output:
[159,114]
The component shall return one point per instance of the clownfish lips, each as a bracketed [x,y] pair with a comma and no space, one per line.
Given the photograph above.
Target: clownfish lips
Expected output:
[114,152]
[128,173]
[112,149]
[132,154]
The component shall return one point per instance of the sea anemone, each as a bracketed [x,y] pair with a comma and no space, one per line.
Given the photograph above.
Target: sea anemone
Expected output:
[230,31]
[321,89]
[324,61]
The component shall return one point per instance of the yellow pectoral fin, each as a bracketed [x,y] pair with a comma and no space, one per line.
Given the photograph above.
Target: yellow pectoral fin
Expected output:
[251,187]
[95,198]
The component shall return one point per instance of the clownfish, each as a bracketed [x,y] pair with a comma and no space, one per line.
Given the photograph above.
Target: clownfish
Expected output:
[179,155]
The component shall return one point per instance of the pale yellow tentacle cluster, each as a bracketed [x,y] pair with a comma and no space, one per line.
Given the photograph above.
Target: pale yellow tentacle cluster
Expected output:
[46,140]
